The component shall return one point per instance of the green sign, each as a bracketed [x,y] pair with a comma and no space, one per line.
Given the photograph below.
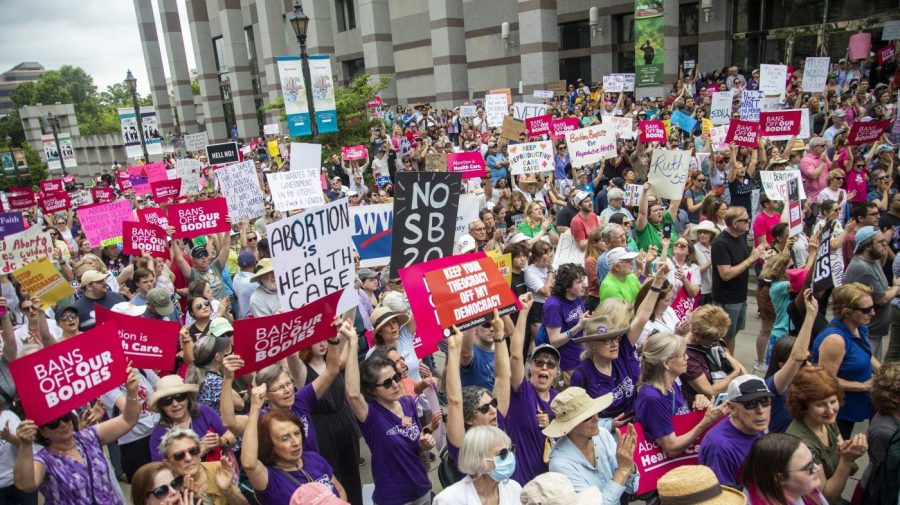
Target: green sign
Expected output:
[9,165]
[649,42]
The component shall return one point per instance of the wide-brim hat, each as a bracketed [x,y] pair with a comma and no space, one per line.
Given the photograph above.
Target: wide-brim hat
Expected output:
[707,226]
[600,328]
[265,267]
[552,488]
[382,315]
[572,407]
[697,485]
[777,161]
[168,386]
[799,145]
[530,180]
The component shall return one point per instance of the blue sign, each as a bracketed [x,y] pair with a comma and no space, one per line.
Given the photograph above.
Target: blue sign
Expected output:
[683,121]
[11,222]
[372,231]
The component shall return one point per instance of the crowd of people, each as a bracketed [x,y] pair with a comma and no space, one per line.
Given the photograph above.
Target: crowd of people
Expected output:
[539,406]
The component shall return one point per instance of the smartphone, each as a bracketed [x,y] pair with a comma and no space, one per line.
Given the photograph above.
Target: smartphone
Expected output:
[667,230]
[720,399]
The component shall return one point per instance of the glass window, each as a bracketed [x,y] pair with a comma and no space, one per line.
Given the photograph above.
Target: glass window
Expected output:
[219,50]
[575,35]
[354,69]
[346,15]
[251,47]
[843,10]
[625,63]
[572,69]
[688,19]
[624,24]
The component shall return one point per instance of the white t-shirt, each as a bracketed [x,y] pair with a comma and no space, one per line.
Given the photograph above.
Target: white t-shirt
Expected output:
[7,450]
[21,332]
[691,273]
[147,420]
[664,324]
[704,256]
[535,277]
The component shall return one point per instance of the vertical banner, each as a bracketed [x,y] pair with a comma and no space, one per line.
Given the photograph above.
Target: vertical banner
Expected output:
[132,137]
[65,149]
[294,93]
[649,44]
[323,93]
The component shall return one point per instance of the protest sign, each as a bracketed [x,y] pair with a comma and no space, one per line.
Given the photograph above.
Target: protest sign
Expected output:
[743,133]
[495,109]
[272,128]
[775,183]
[539,125]
[139,237]
[354,153]
[512,128]
[51,185]
[141,176]
[435,162]
[154,216]
[20,201]
[204,217]
[468,292]
[166,191]
[102,195]
[886,54]
[82,198]
[102,224]
[296,189]
[751,103]
[652,131]
[720,111]
[262,341]
[558,87]
[525,110]
[891,30]
[860,43]
[590,145]
[614,83]
[41,279]
[781,122]
[306,156]
[372,226]
[312,253]
[188,170]
[545,94]
[18,249]
[123,180]
[629,82]
[239,185]
[683,121]
[651,462]
[468,213]
[825,273]
[468,163]
[668,172]
[559,127]
[531,157]
[11,222]
[222,154]
[54,201]
[63,377]
[425,209]
[869,131]
[815,73]
[623,127]
[503,262]
[772,79]
[567,251]
[794,207]
[149,343]
[195,141]
[633,194]
[804,126]
[272,147]
[468,110]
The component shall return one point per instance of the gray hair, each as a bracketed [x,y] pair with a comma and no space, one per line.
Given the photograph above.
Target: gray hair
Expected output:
[205,350]
[477,447]
[173,435]
[396,301]
[269,374]
[615,194]
[607,232]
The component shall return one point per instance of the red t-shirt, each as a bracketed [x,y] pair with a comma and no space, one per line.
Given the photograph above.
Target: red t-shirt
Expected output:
[582,227]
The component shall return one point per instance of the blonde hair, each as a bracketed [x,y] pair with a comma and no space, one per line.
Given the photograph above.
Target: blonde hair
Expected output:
[710,322]
[845,298]
[835,173]
[775,268]
[657,350]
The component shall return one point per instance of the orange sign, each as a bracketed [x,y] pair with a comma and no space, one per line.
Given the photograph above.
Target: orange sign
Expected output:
[467,293]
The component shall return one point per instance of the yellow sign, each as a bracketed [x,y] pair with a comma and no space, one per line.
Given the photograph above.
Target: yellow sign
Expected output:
[273,148]
[41,279]
[707,126]
[668,126]
[503,262]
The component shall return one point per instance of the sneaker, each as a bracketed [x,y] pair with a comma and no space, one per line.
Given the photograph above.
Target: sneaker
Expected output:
[760,368]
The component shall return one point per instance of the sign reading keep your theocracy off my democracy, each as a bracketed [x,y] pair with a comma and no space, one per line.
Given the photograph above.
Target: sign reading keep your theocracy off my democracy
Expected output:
[467,293]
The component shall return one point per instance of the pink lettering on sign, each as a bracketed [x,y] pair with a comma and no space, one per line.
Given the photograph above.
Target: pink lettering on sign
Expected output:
[538,125]
[140,237]
[469,164]
[866,132]
[559,127]
[199,218]
[51,185]
[652,131]
[780,123]
[354,153]
[54,201]
[148,343]
[165,191]
[743,133]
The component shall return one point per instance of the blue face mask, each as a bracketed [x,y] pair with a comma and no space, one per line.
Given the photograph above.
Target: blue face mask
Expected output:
[504,468]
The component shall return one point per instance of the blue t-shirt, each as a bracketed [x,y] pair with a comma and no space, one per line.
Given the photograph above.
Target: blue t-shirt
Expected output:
[724,449]
[779,419]
[564,314]
[480,371]
[625,372]
[654,410]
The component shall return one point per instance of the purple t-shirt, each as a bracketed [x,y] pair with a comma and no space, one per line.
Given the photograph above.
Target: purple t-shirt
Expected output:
[304,401]
[723,449]
[453,451]
[207,420]
[398,472]
[564,314]
[654,410]
[283,484]
[523,430]
[625,371]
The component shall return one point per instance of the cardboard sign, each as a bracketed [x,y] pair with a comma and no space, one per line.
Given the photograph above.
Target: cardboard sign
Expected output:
[102,223]
[668,172]
[623,127]
[567,251]
[19,249]
[149,343]
[189,171]
[82,198]
[222,154]
[891,30]
[55,201]
[591,145]
[296,189]
[425,209]
[468,110]
[614,83]
[354,153]
[41,279]
[435,162]
[52,185]
[140,237]
[239,185]
[772,79]
[193,219]
[531,157]
[558,87]
[262,341]
[866,132]
[467,293]
[495,109]
[815,73]
[195,141]
[21,201]
[860,44]
[743,133]
[779,123]
[539,125]
[775,183]
[683,121]
[166,191]
[794,208]
[652,131]
[372,227]
[469,164]
[512,128]
[559,127]
[720,111]
[11,222]
[885,54]
[525,110]
[751,103]
[102,195]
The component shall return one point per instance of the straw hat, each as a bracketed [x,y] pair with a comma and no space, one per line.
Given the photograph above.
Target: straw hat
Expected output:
[382,315]
[799,145]
[170,385]
[571,407]
[264,267]
[551,488]
[696,485]
[777,161]
[600,328]
[530,180]
[707,226]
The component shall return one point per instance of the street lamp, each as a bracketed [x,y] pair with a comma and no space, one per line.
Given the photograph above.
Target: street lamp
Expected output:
[132,85]
[300,23]
[53,120]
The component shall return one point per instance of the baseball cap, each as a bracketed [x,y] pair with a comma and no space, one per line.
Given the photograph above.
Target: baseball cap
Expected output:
[246,258]
[581,196]
[466,243]
[160,301]
[220,326]
[746,388]
[618,254]
[839,113]
[618,182]
[366,273]
[546,349]
[862,236]
[92,276]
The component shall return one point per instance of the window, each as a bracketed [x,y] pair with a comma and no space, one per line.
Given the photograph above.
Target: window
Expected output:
[346,15]
[354,69]
[572,69]
[219,51]
[624,24]
[575,35]
[688,19]
[251,49]
[625,63]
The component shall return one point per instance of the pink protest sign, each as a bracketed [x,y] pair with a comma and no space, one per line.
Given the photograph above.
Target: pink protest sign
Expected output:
[142,176]
[123,180]
[60,378]
[54,201]
[199,218]
[148,343]
[886,54]
[20,199]
[354,153]
[469,164]
[154,216]
[538,125]
[743,133]
[51,185]
[652,131]
[374,102]
[102,223]
[782,122]
[102,195]
[559,127]
[860,43]
[865,132]
[165,191]
[140,237]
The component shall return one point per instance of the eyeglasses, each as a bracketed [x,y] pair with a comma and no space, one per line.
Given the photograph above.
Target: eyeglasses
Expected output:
[809,468]
[52,425]
[865,310]
[193,451]
[166,401]
[287,385]
[201,305]
[752,404]
[504,453]
[390,381]
[251,239]
[484,409]
[876,213]
[27,309]
[68,317]
[545,363]
[163,491]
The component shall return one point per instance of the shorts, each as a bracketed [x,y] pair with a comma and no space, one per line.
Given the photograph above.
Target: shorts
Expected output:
[764,301]
[737,312]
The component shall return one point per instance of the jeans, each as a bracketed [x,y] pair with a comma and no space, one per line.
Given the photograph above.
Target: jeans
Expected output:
[893,350]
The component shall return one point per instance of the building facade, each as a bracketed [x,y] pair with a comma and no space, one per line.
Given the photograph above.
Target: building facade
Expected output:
[23,72]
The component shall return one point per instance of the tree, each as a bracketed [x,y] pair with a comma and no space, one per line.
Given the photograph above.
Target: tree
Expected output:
[37,170]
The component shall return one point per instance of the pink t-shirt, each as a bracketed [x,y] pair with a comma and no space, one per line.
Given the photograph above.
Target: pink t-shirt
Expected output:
[856,181]
[762,225]
[807,166]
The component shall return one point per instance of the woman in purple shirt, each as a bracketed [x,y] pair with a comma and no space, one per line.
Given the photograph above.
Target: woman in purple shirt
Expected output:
[562,314]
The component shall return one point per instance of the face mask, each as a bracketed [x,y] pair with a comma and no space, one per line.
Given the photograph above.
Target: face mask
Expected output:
[504,468]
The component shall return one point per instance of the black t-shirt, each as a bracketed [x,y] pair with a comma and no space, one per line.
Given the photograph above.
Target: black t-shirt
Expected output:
[729,250]
[741,193]
[564,217]
[87,317]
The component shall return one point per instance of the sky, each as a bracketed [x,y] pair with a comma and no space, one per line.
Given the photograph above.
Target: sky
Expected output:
[100,36]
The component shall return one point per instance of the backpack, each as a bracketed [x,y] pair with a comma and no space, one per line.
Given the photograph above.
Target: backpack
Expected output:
[883,486]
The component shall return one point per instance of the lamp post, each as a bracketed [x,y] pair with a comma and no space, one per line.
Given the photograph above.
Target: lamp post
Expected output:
[300,23]
[53,120]
[132,85]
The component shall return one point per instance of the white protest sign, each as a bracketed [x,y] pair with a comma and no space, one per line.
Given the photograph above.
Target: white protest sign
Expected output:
[717,136]
[633,194]
[613,83]
[305,156]
[531,157]
[751,102]
[271,129]
[80,197]
[195,141]
[467,213]
[312,253]
[815,74]
[775,183]
[567,251]
[591,145]
[543,93]
[467,110]
[720,111]
[891,30]
[770,103]
[19,249]
[623,127]
[629,82]
[495,108]
[804,130]
[188,170]
[296,189]
[772,79]
[239,185]
[523,111]
[668,172]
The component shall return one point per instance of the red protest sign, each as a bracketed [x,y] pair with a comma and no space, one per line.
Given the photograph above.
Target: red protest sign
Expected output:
[148,343]
[261,341]
[886,54]
[102,195]
[559,127]
[142,176]
[199,218]
[154,216]
[54,201]
[866,132]
[743,133]
[124,180]
[538,125]
[52,185]
[469,164]
[468,292]
[652,131]
[66,375]
[353,153]
[140,237]
[782,122]
[374,102]
[165,191]
[21,200]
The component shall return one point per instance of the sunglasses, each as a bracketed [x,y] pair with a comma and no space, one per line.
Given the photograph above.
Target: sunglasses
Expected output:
[546,363]
[505,452]
[201,254]
[809,468]
[201,305]
[68,317]
[838,178]
[865,310]
[193,451]
[251,239]
[27,309]
[166,401]
[484,409]
[52,425]
[390,381]
[752,404]
[163,491]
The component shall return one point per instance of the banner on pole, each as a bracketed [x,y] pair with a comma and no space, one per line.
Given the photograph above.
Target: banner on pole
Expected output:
[293,90]
[131,137]
[322,83]
[65,149]
[649,43]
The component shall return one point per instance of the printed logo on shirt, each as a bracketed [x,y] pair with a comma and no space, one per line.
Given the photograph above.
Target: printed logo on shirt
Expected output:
[574,315]
[411,432]
[624,389]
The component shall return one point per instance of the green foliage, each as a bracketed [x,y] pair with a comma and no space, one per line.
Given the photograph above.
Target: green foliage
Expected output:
[195,87]
[37,169]
[11,125]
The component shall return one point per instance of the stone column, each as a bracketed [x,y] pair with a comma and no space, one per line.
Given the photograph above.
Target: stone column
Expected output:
[714,47]
[320,36]
[374,22]
[448,52]
[273,43]
[207,74]
[239,78]
[538,43]
[178,68]
[153,59]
